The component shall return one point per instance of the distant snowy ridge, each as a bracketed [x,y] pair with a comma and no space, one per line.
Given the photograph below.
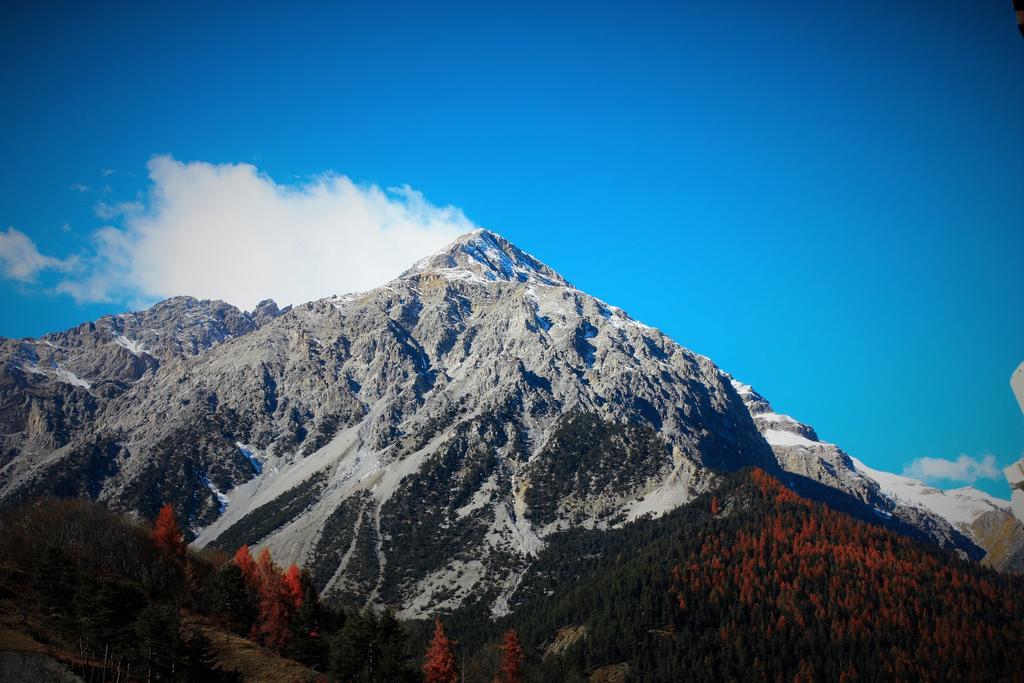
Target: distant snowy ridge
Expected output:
[799,450]
[960,506]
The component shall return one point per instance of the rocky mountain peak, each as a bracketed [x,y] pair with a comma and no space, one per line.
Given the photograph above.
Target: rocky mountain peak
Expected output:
[485,255]
[266,311]
[755,402]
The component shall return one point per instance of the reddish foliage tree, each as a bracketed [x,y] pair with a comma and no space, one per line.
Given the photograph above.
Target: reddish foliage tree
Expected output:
[511,658]
[167,534]
[265,567]
[293,587]
[243,558]
[279,595]
[274,601]
[714,505]
[439,666]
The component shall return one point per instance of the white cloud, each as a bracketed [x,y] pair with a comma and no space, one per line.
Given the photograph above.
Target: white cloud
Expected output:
[20,259]
[965,469]
[226,231]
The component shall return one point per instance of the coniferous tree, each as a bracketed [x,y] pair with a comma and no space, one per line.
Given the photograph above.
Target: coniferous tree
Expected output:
[308,643]
[197,661]
[245,562]
[394,650]
[55,583]
[107,610]
[275,603]
[157,641]
[439,664]
[197,656]
[370,648]
[511,658]
[355,655]
[233,601]
[167,534]
[292,586]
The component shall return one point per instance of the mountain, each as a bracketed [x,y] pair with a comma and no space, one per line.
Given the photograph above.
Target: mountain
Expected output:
[411,443]
[416,445]
[956,518]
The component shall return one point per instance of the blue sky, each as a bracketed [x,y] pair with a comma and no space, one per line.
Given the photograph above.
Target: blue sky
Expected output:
[825,198]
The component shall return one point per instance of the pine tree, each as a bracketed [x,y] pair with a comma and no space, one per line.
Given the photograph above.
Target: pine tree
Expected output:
[233,601]
[106,613]
[511,658]
[394,654]
[167,534]
[55,582]
[439,666]
[308,625]
[157,641]
[370,648]
[198,658]
[265,566]
[354,651]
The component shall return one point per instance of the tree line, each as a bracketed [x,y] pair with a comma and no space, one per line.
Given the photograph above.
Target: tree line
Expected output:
[118,599]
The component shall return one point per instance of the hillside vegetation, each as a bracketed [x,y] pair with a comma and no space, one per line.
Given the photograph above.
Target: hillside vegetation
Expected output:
[747,582]
[752,582]
[115,599]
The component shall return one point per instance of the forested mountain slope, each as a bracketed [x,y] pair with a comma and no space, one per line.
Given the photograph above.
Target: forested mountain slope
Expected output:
[752,582]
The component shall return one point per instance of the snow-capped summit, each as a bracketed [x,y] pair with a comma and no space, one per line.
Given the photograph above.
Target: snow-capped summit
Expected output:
[482,254]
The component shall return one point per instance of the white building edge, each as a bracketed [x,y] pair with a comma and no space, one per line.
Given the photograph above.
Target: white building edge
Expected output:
[1015,472]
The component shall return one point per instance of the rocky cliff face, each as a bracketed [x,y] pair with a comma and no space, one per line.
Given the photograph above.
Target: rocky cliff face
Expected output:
[52,389]
[414,445]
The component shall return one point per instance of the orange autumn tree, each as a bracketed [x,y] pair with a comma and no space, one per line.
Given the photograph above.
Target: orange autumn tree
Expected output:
[167,535]
[293,589]
[439,665]
[271,627]
[279,595]
[511,658]
[244,561]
